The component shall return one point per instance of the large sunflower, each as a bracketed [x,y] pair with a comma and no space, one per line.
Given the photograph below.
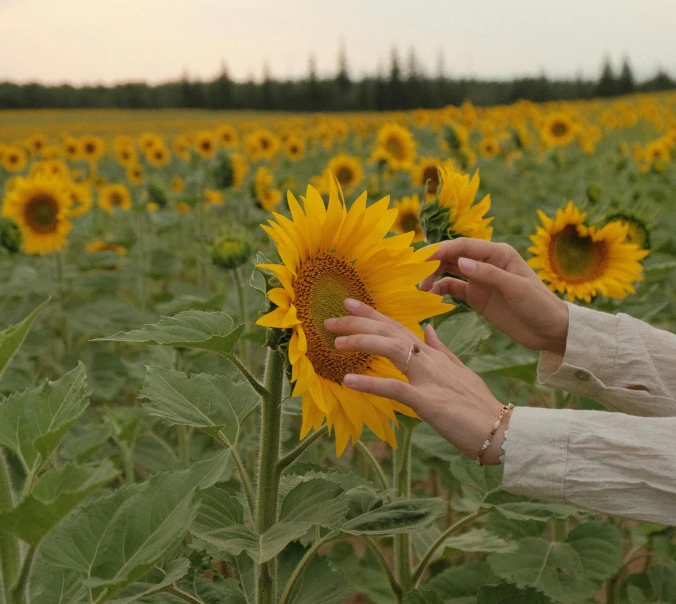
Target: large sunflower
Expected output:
[581,261]
[457,193]
[329,254]
[40,207]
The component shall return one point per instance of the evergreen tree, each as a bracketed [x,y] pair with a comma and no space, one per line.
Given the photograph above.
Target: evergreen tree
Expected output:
[606,85]
[625,83]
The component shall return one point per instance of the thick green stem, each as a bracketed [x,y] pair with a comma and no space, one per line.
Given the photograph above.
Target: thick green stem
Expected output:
[268,477]
[298,571]
[394,586]
[366,452]
[402,482]
[293,455]
[174,591]
[257,386]
[451,530]
[241,297]
[10,560]
[19,589]
[184,434]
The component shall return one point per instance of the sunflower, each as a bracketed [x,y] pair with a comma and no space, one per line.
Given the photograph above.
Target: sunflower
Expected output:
[425,171]
[638,231]
[214,197]
[40,207]
[329,254]
[266,196]
[71,149]
[205,144]
[180,145]
[125,155]
[227,136]
[294,148]
[457,192]
[582,261]
[558,129]
[489,146]
[114,196]
[135,174]
[408,218]
[36,143]
[97,245]
[149,140]
[80,197]
[240,168]
[397,146]
[13,159]
[92,147]
[177,184]
[158,156]
[262,144]
[347,169]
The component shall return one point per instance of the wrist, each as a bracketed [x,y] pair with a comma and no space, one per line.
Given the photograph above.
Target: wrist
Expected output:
[556,342]
[491,456]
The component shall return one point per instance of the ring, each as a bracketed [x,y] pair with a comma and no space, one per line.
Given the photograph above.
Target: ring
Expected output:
[408,358]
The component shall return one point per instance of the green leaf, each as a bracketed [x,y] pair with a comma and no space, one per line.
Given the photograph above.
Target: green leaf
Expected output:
[505,593]
[12,337]
[478,540]
[214,331]
[117,539]
[220,517]
[54,585]
[175,570]
[214,404]
[535,510]
[422,596]
[397,517]
[459,584]
[221,592]
[33,423]
[57,492]
[569,571]
[656,586]
[518,364]
[463,333]
[434,445]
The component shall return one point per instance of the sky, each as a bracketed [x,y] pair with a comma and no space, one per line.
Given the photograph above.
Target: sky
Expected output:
[103,41]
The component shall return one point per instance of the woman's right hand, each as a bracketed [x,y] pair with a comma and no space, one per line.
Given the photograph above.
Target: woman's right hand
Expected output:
[504,289]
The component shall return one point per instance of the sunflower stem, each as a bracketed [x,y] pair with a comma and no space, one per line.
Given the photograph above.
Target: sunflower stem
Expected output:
[143,258]
[10,560]
[402,483]
[373,462]
[243,318]
[294,454]
[394,586]
[18,594]
[268,477]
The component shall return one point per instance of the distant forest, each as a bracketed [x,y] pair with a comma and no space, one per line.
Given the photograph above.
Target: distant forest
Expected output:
[400,89]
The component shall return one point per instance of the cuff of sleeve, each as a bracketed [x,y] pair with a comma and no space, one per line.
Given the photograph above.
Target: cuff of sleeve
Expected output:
[588,363]
[536,452]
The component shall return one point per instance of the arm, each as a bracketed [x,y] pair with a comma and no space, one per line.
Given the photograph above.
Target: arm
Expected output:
[622,362]
[608,462]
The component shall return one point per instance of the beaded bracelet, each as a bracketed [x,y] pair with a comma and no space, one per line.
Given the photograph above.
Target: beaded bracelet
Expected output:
[487,442]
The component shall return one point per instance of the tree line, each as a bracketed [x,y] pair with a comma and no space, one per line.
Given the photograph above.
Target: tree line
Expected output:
[400,89]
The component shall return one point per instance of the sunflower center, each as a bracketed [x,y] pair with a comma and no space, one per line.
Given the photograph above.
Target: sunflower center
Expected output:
[559,129]
[577,258]
[41,212]
[90,148]
[408,221]
[320,288]
[394,147]
[115,199]
[344,176]
[265,143]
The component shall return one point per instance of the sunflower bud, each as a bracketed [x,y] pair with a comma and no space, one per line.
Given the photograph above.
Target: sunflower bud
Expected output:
[593,192]
[157,195]
[230,251]
[223,172]
[10,236]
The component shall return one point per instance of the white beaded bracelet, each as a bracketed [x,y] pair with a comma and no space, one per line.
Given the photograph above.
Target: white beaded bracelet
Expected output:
[487,442]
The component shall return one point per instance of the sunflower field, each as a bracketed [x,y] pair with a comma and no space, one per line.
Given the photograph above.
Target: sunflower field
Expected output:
[173,422]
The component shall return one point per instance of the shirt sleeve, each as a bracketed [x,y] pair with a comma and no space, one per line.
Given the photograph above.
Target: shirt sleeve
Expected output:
[623,363]
[607,462]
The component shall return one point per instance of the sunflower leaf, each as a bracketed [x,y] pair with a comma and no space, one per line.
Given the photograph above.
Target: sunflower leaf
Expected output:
[463,333]
[32,423]
[116,540]
[213,331]
[175,570]
[12,337]
[56,492]
[397,517]
[211,403]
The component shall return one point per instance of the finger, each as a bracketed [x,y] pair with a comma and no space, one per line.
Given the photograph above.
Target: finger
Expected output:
[359,309]
[451,286]
[391,348]
[353,325]
[501,255]
[385,387]
[511,286]
[433,341]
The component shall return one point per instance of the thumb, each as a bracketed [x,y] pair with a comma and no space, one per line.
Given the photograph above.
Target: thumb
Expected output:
[433,341]
[484,273]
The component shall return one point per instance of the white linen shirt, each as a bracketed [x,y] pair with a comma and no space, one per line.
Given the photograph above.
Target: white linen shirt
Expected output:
[616,463]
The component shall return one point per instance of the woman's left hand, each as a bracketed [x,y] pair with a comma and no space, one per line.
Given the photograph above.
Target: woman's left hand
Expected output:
[441,389]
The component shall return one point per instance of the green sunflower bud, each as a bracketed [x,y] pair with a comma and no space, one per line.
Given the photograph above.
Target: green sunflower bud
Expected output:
[593,192]
[157,194]
[10,236]
[230,251]
[223,172]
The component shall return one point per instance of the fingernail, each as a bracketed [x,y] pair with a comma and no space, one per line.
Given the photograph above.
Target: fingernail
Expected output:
[339,340]
[351,304]
[329,322]
[467,265]
[350,380]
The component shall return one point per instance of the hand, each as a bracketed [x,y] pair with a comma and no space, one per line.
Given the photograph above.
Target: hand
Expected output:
[440,389]
[504,289]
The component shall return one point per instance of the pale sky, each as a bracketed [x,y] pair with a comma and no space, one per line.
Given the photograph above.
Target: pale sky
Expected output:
[104,41]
